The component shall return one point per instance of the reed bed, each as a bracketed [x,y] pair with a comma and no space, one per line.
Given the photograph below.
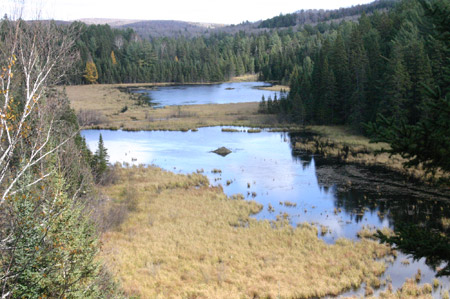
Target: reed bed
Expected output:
[185,239]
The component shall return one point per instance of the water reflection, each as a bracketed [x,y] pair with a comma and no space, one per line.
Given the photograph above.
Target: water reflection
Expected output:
[264,167]
[224,93]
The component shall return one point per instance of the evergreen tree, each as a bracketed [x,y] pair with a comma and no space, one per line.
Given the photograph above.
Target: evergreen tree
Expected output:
[262,105]
[339,63]
[426,141]
[396,89]
[100,161]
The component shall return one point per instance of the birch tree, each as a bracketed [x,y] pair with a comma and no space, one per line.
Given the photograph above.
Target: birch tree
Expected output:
[33,56]
[47,245]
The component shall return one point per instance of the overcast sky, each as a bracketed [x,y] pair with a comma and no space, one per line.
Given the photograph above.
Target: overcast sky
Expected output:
[211,11]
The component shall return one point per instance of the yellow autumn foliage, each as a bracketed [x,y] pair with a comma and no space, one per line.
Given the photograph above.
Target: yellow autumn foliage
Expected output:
[90,73]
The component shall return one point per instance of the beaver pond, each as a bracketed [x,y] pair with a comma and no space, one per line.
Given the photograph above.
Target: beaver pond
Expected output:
[195,94]
[339,199]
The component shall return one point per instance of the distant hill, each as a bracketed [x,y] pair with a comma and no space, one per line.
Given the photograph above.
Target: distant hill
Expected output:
[110,22]
[161,28]
[314,16]
[157,28]
[148,29]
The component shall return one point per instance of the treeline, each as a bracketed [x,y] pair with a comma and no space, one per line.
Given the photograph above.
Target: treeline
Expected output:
[110,55]
[280,21]
[314,16]
[349,74]
[120,56]
[387,75]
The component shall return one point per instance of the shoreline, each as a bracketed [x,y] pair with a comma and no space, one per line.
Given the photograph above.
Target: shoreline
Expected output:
[164,204]
[341,144]
[106,107]
[111,107]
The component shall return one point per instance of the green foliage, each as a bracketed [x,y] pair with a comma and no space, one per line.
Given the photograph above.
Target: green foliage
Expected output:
[48,243]
[426,142]
[53,252]
[421,242]
[340,74]
[100,162]
[419,128]
[280,21]
[376,71]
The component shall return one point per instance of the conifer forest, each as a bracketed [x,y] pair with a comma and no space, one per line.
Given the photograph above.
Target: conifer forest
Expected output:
[380,71]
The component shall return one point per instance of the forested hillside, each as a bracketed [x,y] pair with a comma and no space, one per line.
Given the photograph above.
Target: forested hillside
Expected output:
[389,71]
[385,66]
[314,16]
[145,55]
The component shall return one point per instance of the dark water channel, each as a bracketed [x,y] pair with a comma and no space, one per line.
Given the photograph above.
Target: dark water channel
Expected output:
[224,93]
[263,167]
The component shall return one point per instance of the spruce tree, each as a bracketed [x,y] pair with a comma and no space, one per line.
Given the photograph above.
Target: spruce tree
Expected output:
[426,141]
[100,160]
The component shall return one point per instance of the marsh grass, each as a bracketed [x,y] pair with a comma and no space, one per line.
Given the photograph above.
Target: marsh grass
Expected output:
[109,100]
[254,131]
[340,142]
[368,232]
[410,289]
[230,130]
[185,239]
[283,88]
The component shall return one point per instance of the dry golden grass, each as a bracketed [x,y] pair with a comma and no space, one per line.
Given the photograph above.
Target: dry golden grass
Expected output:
[187,240]
[410,289]
[368,232]
[344,135]
[109,101]
[284,88]
[245,78]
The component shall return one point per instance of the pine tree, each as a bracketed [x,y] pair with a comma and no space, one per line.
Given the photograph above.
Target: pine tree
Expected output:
[297,107]
[339,63]
[426,141]
[100,160]
[262,105]
[396,88]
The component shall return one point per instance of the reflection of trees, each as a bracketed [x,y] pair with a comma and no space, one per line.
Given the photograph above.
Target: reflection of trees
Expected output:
[299,157]
[417,220]
[304,160]
[399,208]
[398,204]
[422,242]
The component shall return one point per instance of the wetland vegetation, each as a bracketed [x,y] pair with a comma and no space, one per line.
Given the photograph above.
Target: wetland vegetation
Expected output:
[188,239]
[339,199]
[335,184]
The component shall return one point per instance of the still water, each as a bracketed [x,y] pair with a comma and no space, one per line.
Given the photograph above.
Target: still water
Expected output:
[263,167]
[223,93]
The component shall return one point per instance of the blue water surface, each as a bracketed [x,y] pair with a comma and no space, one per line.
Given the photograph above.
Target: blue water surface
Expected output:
[195,94]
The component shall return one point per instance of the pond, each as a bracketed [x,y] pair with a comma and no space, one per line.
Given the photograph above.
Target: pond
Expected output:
[263,167]
[196,94]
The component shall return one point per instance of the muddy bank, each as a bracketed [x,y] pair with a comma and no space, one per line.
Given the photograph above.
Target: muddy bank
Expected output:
[360,152]
[375,179]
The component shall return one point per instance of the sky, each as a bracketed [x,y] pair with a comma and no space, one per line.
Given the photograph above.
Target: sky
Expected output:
[209,11]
